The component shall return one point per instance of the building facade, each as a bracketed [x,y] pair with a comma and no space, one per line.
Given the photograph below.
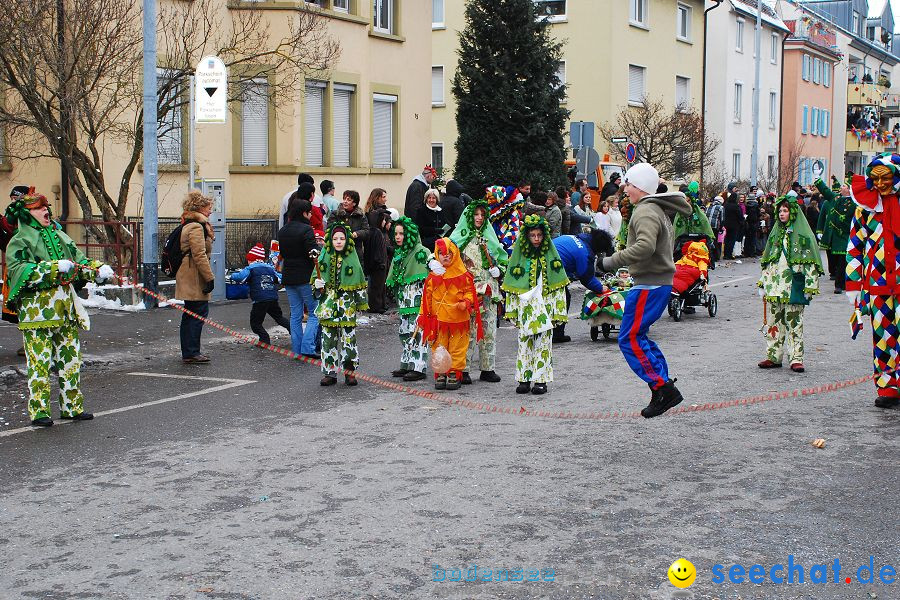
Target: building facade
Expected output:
[364,124]
[730,75]
[617,52]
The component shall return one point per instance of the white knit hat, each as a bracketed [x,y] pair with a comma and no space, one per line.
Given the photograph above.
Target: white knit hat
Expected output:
[644,177]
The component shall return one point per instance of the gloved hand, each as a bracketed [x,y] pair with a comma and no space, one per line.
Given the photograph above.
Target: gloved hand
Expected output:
[494,271]
[320,284]
[436,267]
[761,292]
[64,266]
[209,287]
[819,236]
[462,305]
[853,297]
[105,273]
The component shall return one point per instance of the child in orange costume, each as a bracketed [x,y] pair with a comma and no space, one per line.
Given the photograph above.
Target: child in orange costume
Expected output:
[448,301]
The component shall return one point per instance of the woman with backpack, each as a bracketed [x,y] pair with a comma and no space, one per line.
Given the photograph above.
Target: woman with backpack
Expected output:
[194,280]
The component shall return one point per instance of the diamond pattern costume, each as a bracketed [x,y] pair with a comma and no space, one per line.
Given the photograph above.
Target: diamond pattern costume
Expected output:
[506,214]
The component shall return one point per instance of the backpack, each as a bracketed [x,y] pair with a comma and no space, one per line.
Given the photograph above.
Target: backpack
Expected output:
[714,214]
[172,254]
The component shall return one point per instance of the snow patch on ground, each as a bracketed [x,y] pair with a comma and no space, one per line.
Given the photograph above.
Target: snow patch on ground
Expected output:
[96,300]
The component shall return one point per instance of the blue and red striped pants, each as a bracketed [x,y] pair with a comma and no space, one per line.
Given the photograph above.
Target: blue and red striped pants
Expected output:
[643,307]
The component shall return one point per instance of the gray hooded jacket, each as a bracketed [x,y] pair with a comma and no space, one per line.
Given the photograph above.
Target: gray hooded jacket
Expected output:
[648,251]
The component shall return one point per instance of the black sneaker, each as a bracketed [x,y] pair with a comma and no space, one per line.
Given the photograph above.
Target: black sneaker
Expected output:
[43,422]
[414,376]
[880,402]
[82,416]
[666,397]
[328,380]
[561,339]
[399,372]
[489,376]
[466,378]
[524,387]
[539,388]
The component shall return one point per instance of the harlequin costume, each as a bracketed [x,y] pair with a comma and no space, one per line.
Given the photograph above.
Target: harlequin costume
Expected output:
[535,286]
[406,281]
[341,299]
[872,267]
[506,206]
[486,259]
[791,266]
[49,312]
[447,303]
[833,230]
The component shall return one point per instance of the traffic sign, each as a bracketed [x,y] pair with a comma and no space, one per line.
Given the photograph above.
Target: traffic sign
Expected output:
[581,133]
[630,153]
[587,162]
[619,140]
[211,91]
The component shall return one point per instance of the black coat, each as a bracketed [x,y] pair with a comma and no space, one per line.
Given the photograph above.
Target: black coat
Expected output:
[733,217]
[753,215]
[451,204]
[415,198]
[295,241]
[358,223]
[431,226]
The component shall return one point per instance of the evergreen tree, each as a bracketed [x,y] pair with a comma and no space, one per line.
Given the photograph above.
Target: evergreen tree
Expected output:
[509,120]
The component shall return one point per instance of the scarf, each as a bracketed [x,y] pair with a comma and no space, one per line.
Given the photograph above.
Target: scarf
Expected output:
[802,247]
[410,262]
[350,277]
[528,262]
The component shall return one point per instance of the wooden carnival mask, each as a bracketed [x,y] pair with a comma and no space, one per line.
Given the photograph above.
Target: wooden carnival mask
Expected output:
[883,179]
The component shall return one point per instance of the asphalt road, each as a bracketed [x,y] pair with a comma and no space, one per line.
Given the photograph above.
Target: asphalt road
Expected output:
[270,486]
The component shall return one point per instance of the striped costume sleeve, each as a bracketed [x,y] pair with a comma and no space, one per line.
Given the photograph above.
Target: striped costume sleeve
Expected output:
[856,248]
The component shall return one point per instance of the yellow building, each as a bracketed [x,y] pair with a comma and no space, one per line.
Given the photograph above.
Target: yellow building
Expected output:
[366,124]
[616,52]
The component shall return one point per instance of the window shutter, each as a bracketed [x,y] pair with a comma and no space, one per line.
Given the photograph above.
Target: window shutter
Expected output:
[805,126]
[635,83]
[681,91]
[168,130]
[313,107]
[383,132]
[255,124]
[437,11]
[437,85]
[343,96]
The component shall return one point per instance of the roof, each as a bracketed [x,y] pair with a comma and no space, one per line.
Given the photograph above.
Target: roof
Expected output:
[876,8]
[769,16]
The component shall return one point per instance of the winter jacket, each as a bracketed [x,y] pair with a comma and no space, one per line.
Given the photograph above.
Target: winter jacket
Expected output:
[715,214]
[555,220]
[296,239]
[359,224]
[609,189]
[753,215]
[263,280]
[578,260]
[451,204]
[431,226]
[195,271]
[415,196]
[733,219]
[648,250]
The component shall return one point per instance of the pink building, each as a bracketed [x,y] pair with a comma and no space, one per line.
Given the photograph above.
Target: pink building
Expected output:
[808,116]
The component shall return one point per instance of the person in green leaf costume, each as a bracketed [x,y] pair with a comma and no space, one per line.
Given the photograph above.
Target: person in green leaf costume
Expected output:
[405,280]
[833,229]
[535,286]
[341,286]
[790,278]
[486,259]
[44,268]
[696,222]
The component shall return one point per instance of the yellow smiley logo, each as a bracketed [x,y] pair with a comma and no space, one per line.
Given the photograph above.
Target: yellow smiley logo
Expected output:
[682,573]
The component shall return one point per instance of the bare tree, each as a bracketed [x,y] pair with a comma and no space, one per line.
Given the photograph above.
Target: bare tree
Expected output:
[667,137]
[788,167]
[69,100]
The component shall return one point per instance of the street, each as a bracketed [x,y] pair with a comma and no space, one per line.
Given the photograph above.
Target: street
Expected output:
[245,479]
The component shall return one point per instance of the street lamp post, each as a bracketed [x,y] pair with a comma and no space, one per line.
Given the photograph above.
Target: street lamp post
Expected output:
[151,163]
[754,154]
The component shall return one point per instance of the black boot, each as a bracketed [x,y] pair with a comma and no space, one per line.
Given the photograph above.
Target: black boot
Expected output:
[883,402]
[328,380]
[489,376]
[414,376]
[349,377]
[559,335]
[43,422]
[82,416]
[466,378]
[524,387]
[399,372]
[663,398]
[539,388]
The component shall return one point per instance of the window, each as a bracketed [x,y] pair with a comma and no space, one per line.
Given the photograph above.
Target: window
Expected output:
[773,52]
[771,165]
[826,74]
[383,131]
[824,123]
[801,171]
[343,124]
[805,71]
[437,156]
[814,121]
[773,109]
[314,113]
[255,123]
[736,165]
[855,25]
[169,127]
[636,77]
[684,22]
[682,92]
[437,14]
[805,123]
[383,16]
[870,33]
[637,13]
[739,36]
[817,71]
[553,10]
[738,101]
[437,86]
[341,5]
[561,75]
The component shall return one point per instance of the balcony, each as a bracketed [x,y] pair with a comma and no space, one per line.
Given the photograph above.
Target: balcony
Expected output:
[867,141]
[865,94]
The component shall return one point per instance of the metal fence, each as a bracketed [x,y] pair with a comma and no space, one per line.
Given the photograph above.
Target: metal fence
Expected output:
[240,236]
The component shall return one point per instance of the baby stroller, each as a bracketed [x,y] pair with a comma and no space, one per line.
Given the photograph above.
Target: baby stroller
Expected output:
[690,287]
[604,311]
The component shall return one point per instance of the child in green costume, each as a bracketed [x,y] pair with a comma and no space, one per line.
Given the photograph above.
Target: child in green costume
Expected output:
[341,286]
[406,280]
[44,267]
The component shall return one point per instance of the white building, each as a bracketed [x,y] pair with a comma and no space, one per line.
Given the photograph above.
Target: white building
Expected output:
[730,75]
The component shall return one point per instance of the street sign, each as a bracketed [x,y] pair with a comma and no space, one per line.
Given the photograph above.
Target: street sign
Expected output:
[211,91]
[581,134]
[631,153]
[619,140]
[586,163]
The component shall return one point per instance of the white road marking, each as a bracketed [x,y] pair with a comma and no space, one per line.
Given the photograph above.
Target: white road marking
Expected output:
[732,280]
[226,384]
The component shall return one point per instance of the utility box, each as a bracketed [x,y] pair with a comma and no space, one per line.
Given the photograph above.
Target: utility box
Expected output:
[215,189]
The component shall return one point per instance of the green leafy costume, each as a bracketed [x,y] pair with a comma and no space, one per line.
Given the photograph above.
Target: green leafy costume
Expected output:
[791,268]
[835,218]
[481,250]
[405,280]
[343,297]
[697,221]
[532,307]
[50,314]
